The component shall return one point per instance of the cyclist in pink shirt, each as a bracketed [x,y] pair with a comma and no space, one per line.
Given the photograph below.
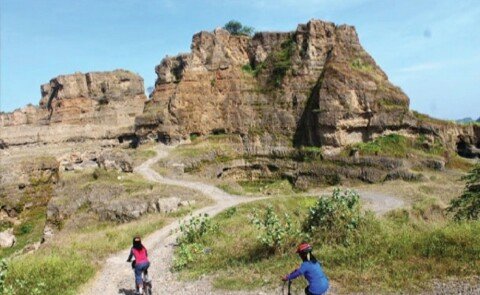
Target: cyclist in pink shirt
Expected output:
[140,264]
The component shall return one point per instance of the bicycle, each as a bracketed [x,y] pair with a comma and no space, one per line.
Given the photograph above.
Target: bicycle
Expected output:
[289,287]
[147,282]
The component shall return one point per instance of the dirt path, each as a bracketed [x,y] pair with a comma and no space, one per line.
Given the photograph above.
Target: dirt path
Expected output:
[116,276]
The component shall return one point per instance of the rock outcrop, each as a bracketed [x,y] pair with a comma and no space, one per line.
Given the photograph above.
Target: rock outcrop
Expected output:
[7,239]
[76,107]
[315,86]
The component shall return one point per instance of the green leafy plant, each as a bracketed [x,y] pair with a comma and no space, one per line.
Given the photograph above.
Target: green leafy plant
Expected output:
[230,212]
[336,219]
[282,61]
[185,255]
[467,206]
[190,241]
[3,275]
[195,228]
[276,235]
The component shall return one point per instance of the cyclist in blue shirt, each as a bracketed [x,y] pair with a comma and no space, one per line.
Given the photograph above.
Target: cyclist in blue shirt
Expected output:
[311,270]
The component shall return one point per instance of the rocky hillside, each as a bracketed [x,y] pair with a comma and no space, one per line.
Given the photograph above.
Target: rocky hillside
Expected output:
[97,105]
[315,86]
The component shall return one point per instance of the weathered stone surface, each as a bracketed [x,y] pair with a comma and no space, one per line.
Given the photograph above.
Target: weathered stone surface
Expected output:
[7,239]
[166,205]
[48,233]
[330,92]
[118,160]
[76,107]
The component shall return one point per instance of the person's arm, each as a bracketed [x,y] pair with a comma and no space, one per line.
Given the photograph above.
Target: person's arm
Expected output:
[294,274]
[130,256]
[146,252]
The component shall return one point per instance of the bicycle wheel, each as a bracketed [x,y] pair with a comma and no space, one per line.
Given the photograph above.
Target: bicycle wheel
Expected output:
[147,288]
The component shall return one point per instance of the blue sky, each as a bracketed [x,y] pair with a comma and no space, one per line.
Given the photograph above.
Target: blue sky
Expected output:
[430,48]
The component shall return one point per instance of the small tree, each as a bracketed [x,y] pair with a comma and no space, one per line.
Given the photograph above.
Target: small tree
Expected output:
[236,28]
[467,206]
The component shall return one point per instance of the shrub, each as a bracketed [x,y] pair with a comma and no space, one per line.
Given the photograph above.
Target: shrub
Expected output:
[281,61]
[190,240]
[335,220]
[467,206]
[193,230]
[185,255]
[276,236]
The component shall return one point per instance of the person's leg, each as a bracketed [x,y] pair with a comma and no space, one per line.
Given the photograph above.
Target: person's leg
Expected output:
[306,291]
[145,271]
[138,276]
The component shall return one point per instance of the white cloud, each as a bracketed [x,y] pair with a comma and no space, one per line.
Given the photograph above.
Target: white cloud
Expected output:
[428,66]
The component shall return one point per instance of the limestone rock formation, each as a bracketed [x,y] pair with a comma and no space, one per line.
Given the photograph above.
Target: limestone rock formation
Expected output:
[76,107]
[314,86]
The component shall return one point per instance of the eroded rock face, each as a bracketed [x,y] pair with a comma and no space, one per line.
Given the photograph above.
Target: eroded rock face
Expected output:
[76,107]
[314,86]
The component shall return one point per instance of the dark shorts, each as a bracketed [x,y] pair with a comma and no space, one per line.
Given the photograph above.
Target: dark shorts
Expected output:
[139,269]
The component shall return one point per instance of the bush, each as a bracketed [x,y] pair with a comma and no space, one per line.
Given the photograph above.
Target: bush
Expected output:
[236,28]
[335,220]
[467,206]
[185,255]
[195,229]
[276,236]
[190,240]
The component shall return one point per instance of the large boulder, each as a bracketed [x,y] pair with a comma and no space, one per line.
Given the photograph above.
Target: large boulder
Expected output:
[114,159]
[7,239]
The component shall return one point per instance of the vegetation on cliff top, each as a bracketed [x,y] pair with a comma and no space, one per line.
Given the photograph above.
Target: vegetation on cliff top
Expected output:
[236,28]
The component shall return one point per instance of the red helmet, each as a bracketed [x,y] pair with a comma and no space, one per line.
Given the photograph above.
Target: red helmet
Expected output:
[304,248]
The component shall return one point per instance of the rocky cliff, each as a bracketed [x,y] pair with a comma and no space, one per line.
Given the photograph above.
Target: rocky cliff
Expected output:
[315,86]
[75,107]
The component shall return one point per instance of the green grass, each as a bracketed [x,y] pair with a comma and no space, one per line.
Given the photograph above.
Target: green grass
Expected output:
[359,64]
[78,249]
[390,145]
[220,144]
[259,187]
[72,258]
[29,231]
[425,118]
[61,272]
[395,254]
[396,145]
[267,187]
